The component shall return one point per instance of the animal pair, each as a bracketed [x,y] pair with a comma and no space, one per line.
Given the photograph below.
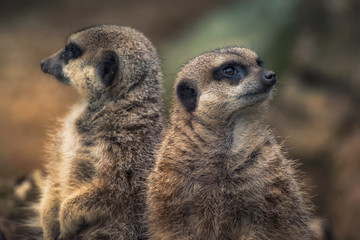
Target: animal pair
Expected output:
[218,173]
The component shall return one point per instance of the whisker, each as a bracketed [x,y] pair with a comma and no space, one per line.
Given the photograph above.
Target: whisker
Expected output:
[286,84]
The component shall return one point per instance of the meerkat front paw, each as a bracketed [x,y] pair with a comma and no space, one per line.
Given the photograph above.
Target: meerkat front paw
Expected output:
[52,232]
[75,213]
[50,223]
[69,221]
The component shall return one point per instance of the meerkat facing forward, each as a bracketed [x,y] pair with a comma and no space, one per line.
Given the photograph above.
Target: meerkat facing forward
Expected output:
[220,174]
[101,153]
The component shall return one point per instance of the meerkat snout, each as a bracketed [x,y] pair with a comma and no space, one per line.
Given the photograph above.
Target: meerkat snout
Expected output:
[54,64]
[269,78]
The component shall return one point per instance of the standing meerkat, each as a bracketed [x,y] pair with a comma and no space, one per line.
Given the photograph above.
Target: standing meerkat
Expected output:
[100,155]
[219,173]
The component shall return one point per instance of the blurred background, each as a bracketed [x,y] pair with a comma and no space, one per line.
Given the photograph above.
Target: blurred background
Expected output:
[313,46]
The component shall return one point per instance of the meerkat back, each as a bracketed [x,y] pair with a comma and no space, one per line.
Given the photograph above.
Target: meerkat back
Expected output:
[100,155]
[220,173]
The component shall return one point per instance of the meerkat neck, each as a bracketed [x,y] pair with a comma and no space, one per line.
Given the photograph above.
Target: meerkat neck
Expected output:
[97,115]
[228,136]
[247,132]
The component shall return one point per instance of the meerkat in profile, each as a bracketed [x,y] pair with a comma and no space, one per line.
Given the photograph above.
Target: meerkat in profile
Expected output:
[100,155]
[219,173]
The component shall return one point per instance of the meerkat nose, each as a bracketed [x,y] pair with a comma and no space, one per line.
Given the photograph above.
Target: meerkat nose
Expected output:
[269,78]
[43,66]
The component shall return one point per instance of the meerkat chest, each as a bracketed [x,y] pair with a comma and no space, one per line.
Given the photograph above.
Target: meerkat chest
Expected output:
[70,149]
[69,134]
[70,143]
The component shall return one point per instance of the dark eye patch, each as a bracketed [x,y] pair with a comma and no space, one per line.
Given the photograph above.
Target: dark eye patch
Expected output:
[260,62]
[71,51]
[232,71]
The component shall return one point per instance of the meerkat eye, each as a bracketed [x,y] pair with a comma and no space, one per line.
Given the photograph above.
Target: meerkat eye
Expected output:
[71,52]
[259,62]
[232,72]
[229,71]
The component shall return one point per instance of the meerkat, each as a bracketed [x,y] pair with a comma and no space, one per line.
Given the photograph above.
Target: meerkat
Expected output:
[100,154]
[220,173]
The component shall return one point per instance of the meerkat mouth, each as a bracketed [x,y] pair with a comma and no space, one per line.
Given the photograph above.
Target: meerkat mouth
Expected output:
[263,92]
[62,79]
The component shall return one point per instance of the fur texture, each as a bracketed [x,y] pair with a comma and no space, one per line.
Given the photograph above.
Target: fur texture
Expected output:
[100,154]
[220,173]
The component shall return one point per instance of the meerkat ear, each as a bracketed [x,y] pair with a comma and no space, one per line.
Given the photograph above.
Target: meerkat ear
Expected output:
[108,67]
[188,94]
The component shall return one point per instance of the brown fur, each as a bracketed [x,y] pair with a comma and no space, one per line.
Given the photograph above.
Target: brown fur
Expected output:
[100,154]
[220,174]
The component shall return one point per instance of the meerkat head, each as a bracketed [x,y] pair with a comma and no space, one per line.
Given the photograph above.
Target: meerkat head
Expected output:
[103,59]
[222,83]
